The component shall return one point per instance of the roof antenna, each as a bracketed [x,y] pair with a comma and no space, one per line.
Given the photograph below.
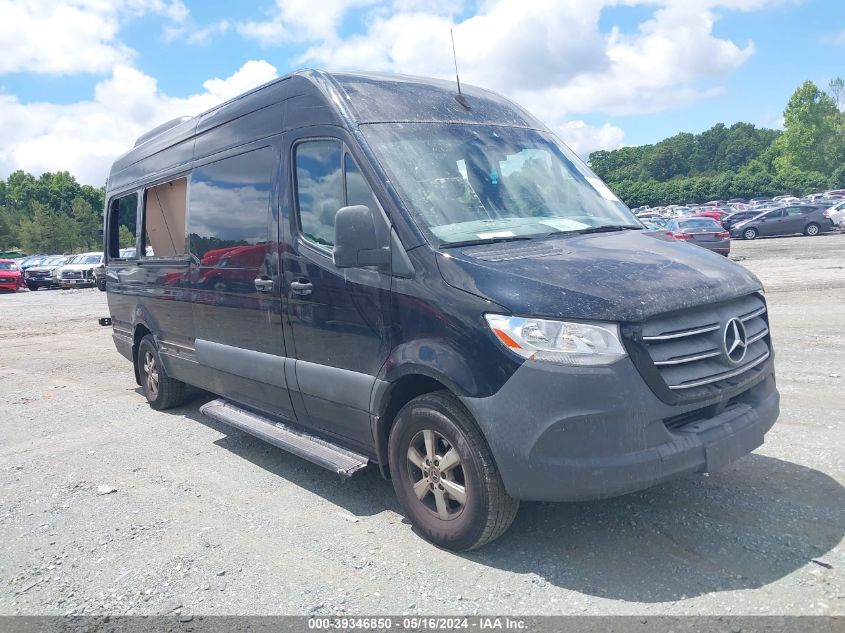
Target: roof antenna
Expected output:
[458,97]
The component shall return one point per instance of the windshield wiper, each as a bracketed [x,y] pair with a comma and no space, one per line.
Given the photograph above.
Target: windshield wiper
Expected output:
[610,227]
[486,240]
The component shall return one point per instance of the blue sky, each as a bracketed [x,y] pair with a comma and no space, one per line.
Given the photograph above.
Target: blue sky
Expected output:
[80,80]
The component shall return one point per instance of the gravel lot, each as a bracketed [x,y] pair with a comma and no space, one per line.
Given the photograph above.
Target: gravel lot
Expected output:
[208,520]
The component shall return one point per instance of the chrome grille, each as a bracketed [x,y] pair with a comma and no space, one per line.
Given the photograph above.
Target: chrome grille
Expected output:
[687,348]
[71,274]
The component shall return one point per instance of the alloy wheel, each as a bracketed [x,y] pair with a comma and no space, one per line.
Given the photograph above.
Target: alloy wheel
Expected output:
[437,474]
[151,373]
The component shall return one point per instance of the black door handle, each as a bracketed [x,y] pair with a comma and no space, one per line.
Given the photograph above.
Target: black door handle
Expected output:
[301,287]
[263,285]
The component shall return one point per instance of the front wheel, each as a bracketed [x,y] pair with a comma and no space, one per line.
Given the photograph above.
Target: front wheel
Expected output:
[750,234]
[32,287]
[161,391]
[812,230]
[445,476]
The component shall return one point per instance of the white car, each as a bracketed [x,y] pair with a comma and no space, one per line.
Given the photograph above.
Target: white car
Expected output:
[836,214]
[79,271]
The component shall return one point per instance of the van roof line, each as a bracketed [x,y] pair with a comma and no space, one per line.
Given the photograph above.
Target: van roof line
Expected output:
[160,129]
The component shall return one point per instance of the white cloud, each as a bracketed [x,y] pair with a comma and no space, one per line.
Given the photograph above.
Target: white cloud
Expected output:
[301,21]
[71,36]
[85,138]
[551,55]
[584,138]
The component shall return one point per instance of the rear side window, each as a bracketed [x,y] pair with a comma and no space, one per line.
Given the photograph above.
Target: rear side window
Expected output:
[229,209]
[325,184]
[164,218]
[122,224]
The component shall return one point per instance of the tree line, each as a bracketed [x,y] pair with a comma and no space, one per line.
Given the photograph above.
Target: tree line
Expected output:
[740,161]
[50,214]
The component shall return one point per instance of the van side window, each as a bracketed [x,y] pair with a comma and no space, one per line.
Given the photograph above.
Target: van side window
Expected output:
[164,218]
[229,208]
[319,189]
[122,226]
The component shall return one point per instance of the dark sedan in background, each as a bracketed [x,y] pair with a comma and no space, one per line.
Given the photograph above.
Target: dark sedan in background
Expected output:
[788,220]
[704,232]
[740,216]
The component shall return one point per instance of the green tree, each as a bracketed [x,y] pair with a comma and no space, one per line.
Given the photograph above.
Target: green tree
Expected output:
[126,237]
[88,223]
[48,232]
[836,89]
[811,122]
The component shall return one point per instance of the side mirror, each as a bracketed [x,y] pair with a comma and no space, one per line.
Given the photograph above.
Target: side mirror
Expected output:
[355,240]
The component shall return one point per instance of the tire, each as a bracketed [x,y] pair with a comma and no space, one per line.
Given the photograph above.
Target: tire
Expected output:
[101,283]
[750,234]
[32,287]
[436,424]
[161,391]
[812,229]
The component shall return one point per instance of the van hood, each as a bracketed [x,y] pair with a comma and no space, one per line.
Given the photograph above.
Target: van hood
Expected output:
[621,276]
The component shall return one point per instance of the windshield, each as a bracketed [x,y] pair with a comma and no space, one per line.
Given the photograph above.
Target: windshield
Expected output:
[8,266]
[700,223]
[478,182]
[86,259]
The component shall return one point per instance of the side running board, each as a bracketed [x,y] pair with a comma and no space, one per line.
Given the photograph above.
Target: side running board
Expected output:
[337,459]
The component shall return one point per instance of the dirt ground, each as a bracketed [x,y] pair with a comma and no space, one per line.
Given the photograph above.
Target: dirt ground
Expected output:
[205,519]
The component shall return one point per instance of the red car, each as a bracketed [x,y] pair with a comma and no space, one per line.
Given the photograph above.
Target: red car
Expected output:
[715,214]
[11,277]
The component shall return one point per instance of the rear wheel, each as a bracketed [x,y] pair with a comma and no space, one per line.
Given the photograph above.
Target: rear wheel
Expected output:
[161,391]
[812,230]
[445,476]
[750,234]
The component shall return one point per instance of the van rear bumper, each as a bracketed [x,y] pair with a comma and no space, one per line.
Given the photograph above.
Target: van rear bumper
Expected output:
[572,434]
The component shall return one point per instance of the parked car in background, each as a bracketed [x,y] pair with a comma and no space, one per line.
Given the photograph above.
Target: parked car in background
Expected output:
[714,214]
[704,232]
[789,220]
[730,220]
[44,274]
[32,260]
[836,214]
[11,277]
[79,271]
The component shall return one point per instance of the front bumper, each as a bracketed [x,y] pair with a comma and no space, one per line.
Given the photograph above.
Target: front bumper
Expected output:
[9,285]
[41,282]
[72,283]
[570,434]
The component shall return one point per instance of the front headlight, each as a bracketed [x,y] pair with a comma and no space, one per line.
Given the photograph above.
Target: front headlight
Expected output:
[561,342]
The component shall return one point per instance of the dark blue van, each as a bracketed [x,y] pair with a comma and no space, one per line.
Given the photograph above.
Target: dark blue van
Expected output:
[371,268]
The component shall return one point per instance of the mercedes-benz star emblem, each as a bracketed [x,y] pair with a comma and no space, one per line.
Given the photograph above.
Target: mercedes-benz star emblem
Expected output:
[735,341]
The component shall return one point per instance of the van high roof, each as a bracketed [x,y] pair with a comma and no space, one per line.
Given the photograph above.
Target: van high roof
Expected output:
[313,97]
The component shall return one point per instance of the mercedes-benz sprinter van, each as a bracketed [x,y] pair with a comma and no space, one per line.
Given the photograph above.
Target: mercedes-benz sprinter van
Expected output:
[372,269]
